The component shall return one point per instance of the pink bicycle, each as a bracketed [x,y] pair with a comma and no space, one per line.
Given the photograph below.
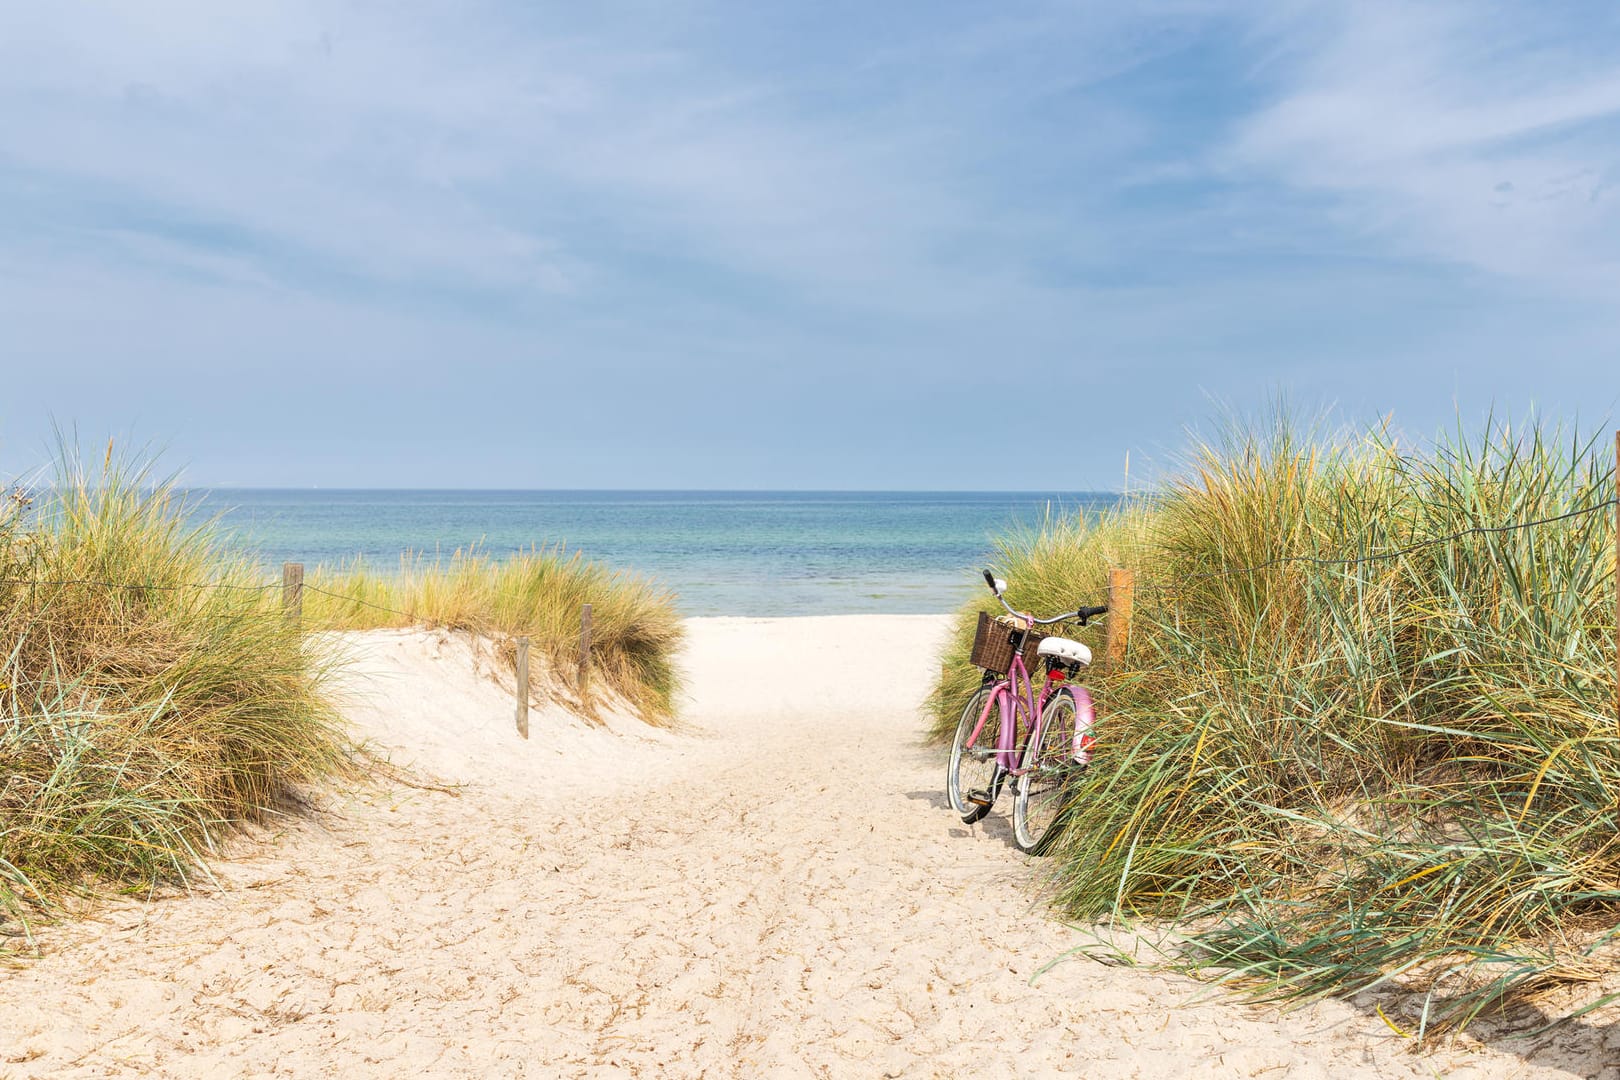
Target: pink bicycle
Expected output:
[1056,722]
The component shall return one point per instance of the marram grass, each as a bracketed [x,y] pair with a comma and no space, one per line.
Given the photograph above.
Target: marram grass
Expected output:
[1403,771]
[635,628]
[153,696]
[140,715]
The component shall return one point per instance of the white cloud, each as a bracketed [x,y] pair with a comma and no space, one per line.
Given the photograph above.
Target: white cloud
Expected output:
[1468,133]
[420,144]
[765,210]
[471,145]
[312,139]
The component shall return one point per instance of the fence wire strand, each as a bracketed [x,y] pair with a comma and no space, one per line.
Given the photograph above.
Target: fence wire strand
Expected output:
[357,600]
[1473,530]
[134,586]
[1382,556]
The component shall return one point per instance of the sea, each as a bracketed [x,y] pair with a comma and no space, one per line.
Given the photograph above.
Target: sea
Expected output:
[760,553]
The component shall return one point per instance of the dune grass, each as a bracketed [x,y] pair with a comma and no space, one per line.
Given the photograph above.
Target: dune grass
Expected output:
[153,695]
[635,628]
[1335,776]
[140,716]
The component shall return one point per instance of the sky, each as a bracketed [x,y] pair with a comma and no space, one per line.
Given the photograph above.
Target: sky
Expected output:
[690,244]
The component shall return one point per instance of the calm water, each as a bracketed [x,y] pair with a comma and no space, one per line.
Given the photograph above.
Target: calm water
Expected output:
[724,553]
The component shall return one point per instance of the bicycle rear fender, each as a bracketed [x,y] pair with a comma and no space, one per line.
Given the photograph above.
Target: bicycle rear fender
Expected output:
[1085,718]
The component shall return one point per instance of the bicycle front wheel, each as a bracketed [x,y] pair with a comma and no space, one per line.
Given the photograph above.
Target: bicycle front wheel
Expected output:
[973,764]
[1051,769]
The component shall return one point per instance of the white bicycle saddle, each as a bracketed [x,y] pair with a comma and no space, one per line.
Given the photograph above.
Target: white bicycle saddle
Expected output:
[1063,648]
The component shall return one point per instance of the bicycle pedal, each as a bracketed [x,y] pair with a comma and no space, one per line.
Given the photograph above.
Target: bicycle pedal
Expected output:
[978,806]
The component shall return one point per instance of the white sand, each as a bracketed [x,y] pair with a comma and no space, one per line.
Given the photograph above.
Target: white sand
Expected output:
[778,890]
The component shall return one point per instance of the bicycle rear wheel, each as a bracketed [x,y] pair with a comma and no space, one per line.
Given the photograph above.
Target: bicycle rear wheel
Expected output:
[1051,769]
[973,765]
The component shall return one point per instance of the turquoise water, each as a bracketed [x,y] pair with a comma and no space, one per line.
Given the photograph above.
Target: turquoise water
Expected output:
[724,553]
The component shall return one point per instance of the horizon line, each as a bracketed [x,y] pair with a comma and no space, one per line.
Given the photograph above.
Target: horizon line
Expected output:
[656,490]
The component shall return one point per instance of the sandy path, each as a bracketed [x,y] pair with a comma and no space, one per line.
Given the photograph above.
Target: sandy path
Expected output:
[776,892]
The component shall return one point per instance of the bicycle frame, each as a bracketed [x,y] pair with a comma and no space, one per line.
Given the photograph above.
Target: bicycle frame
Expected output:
[1005,695]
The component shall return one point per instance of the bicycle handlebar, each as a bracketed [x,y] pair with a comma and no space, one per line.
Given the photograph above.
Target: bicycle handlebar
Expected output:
[1082,614]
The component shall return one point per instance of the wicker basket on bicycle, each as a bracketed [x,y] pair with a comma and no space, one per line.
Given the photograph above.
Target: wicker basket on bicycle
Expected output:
[993,644]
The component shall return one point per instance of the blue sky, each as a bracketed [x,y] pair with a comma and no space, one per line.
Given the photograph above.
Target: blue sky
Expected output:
[692,244]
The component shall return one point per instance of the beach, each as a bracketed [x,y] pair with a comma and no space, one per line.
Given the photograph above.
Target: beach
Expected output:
[774,888]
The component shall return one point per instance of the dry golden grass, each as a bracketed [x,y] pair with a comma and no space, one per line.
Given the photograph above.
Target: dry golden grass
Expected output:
[140,715]
[635,629]
[1335,773]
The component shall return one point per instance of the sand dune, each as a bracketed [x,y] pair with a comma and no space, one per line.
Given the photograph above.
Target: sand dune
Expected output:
[777,890]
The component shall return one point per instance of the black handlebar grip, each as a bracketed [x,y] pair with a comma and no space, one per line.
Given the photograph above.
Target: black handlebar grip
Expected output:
[990,579]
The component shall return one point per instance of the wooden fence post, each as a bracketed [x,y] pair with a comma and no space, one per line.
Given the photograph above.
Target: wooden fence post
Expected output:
[1121,601]
[292,591]
[583,682]
[523,686]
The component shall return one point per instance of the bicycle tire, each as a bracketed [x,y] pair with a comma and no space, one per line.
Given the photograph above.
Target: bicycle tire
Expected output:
[1048,774]
[979,759]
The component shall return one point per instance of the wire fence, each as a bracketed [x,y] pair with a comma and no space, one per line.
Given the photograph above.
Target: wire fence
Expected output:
[292,588]
[363,603]
[1164,589]
[135,586]
[1384,556]
[144,586]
